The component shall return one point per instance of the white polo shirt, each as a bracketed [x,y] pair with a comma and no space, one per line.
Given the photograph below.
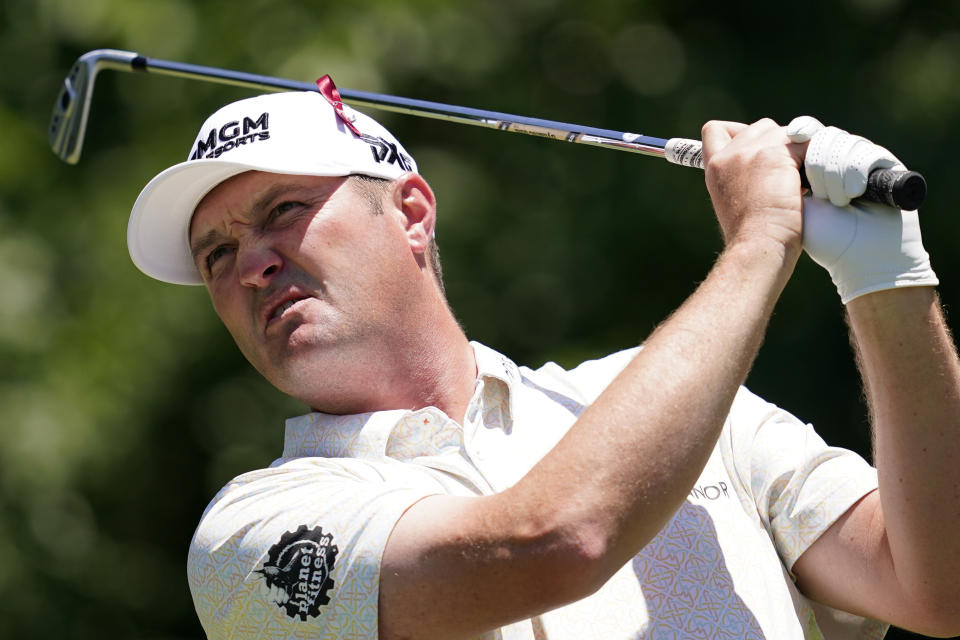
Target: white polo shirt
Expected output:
[293,551]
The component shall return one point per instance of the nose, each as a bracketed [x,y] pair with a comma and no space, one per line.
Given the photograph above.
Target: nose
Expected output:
[257,263]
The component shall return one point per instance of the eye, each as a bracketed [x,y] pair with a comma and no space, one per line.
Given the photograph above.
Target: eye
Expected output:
[281,209]
[215,254]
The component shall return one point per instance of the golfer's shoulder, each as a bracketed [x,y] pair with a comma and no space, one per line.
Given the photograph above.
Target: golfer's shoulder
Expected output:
[585,380]
[289,483]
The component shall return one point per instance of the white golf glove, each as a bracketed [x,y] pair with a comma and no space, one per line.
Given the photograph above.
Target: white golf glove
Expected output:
[838,163]
[864,246]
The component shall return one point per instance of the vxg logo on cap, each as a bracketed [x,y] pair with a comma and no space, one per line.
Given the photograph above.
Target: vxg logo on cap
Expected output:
[232,135]
[387,151]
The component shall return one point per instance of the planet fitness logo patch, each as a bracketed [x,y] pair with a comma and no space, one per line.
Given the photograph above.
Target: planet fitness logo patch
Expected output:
[297,571]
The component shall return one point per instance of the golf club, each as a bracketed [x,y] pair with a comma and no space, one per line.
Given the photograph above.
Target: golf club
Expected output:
[903,189]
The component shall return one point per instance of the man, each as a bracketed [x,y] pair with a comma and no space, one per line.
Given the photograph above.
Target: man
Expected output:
[437,490]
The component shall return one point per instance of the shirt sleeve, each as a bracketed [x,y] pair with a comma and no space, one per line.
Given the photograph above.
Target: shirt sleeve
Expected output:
[293,551]
[799,484]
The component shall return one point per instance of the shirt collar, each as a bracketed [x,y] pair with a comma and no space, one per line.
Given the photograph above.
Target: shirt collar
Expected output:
[398,433]
[492,364]
[384,433]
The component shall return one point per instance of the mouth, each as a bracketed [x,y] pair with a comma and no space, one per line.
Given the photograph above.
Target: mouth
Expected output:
[279,311]
[274,309]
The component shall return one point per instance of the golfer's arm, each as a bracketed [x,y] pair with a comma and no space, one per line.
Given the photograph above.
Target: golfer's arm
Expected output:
[896,554]
[455,567]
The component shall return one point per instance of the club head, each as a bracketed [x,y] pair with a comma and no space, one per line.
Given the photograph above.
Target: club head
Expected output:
[69,120]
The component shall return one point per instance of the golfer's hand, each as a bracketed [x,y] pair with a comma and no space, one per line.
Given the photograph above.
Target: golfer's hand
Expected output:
[753,179]
[837,163]
[864,246]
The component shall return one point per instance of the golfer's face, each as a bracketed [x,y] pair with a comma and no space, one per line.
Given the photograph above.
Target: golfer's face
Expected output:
[302,273]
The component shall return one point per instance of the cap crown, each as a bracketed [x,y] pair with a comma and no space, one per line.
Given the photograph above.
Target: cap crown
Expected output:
[284,128]
[296,133]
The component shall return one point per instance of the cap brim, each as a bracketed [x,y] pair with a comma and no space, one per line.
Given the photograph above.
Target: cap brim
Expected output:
[159,227]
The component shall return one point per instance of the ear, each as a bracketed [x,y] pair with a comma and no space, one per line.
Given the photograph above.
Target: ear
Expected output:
[413,198]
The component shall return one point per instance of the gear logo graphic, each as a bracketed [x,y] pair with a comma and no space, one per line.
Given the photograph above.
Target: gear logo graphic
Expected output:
[297,571]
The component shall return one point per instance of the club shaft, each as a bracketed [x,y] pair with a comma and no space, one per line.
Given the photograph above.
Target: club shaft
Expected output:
[635,143]
[904,189]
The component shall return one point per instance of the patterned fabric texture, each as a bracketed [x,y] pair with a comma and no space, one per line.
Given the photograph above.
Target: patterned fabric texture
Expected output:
[293,551]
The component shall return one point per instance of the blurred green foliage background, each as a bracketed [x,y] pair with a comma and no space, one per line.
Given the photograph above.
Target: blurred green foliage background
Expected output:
[123,403]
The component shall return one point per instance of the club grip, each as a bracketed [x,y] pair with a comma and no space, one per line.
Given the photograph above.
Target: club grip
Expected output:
[902,189]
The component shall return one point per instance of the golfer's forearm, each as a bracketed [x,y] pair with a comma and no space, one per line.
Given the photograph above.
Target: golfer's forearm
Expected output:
[912,376]
[625,467]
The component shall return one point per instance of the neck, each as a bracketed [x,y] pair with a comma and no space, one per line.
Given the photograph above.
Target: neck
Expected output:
[431,363]
[439,371]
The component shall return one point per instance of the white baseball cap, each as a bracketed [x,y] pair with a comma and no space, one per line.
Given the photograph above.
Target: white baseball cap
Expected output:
[296,133]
